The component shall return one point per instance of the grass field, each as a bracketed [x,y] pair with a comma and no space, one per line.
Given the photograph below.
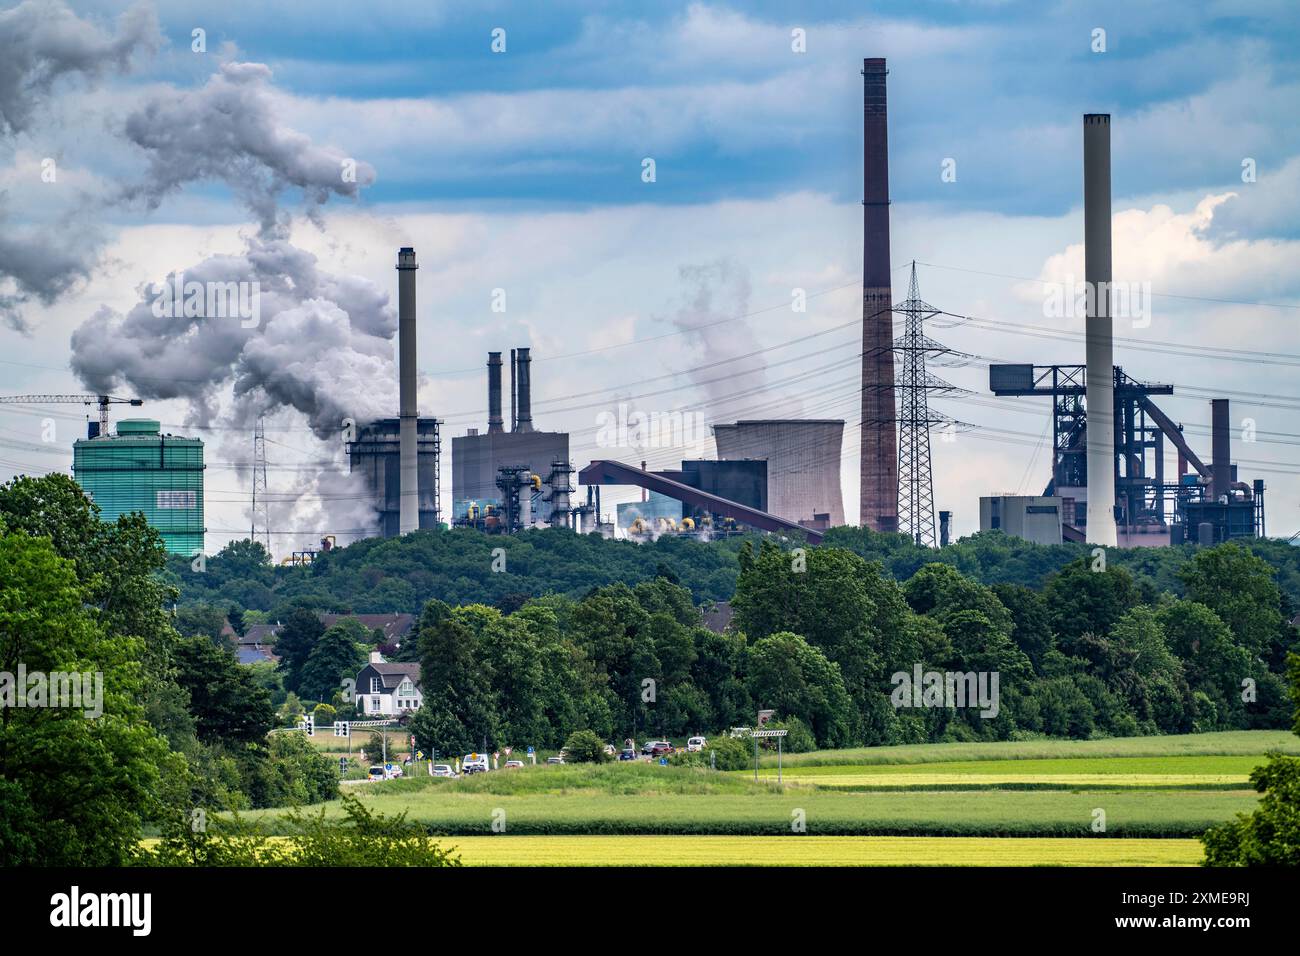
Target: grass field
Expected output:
[819,851]
[1061,773]
[1022,803]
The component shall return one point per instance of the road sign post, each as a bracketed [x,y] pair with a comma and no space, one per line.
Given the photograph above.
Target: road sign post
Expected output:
[778,734]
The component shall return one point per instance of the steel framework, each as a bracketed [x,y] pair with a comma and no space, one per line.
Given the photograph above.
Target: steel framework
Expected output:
[915,478]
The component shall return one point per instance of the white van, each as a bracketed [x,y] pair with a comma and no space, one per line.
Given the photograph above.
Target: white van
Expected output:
[695,744]
[475,763]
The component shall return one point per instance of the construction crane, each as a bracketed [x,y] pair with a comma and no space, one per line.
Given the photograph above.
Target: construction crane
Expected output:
[103,401]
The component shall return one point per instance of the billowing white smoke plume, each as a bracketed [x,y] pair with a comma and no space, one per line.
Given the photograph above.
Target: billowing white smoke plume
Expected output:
[715,292]
[320,343]
[311,342]
[229,130]
[41,43]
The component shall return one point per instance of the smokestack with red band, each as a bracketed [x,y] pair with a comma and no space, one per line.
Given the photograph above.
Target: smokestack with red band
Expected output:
[1097,331]
[408,416]
[525,423]
[494,393]
[878,464]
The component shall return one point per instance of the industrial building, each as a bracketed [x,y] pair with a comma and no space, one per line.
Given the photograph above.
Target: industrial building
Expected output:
[478,459]
[141,469]
[803,465]
[376,454]
[1108,434]
[1036,519]
[653,511]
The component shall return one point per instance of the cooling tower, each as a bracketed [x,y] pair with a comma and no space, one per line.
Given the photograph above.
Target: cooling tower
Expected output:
[803,463]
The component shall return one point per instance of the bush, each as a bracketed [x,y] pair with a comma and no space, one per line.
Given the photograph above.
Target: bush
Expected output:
[798,739]
[325,715]
[1271,835]
[584,746]
[721,753]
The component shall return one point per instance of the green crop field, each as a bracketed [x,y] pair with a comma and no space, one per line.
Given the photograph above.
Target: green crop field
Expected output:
[818,851]
[1020,803]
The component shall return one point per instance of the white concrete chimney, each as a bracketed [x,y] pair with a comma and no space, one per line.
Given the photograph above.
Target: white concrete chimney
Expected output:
[1100,347]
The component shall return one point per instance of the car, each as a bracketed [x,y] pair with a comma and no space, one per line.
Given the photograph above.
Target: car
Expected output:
[392,770]
[609,750]
[627,753]
[376,773]
[511,764]
[696,744]
[445,770]
[474,763]
[555,760]
[661,748]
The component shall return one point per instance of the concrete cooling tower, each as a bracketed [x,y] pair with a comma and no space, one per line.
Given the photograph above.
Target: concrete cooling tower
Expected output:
[803,465]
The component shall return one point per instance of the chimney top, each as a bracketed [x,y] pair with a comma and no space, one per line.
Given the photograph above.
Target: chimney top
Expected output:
[406,258]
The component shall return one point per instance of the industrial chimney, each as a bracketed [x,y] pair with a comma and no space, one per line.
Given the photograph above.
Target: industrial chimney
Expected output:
[1220,448]
[525,388]
[494,393]
[878,462]
[408,416]
[1097,332]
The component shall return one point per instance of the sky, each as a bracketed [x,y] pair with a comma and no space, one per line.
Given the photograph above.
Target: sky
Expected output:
[508,143]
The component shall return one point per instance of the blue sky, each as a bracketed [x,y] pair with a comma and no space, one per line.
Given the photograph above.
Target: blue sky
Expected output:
[522,171]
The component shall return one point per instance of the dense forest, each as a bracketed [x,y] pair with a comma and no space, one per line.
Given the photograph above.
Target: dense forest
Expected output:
[379,575]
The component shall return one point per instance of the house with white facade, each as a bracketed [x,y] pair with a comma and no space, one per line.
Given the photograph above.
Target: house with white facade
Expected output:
[388,690]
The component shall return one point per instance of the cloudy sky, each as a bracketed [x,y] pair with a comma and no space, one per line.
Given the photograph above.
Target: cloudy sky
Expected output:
[133,149]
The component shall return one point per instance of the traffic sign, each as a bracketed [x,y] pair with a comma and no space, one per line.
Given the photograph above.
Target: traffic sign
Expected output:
[770,733]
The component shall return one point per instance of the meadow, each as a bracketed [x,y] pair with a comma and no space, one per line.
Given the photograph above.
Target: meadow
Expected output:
[1130,801]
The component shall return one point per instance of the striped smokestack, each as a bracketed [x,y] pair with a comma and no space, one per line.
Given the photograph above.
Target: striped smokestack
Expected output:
[408,416]
[878,498]
[1100,348]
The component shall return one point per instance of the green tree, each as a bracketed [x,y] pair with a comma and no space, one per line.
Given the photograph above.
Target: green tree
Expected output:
[224,699]
[584,746]
[295,642]
[335,658]
[790,676]
[77,788]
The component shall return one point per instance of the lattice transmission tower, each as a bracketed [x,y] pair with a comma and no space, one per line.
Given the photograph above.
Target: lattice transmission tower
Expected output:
[915,419]
[261,498]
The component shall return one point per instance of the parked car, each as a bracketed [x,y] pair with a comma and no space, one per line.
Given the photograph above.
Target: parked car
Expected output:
[511,764]
[555,760]
[662,748]
[695,744]
[627,753]
[444,770]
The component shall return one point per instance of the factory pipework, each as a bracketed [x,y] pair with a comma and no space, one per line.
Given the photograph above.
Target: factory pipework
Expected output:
[494,393]
[1098,331]
[1220,448]
[408,415]
[525,389]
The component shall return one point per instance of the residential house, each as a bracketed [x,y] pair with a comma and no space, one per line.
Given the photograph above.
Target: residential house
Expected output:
[388,690]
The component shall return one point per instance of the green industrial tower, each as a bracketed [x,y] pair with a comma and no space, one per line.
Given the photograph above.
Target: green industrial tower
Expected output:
[140,469]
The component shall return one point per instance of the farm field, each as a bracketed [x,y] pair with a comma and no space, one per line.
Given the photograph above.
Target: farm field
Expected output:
[1187,772]
[1011,804]
[819,851]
